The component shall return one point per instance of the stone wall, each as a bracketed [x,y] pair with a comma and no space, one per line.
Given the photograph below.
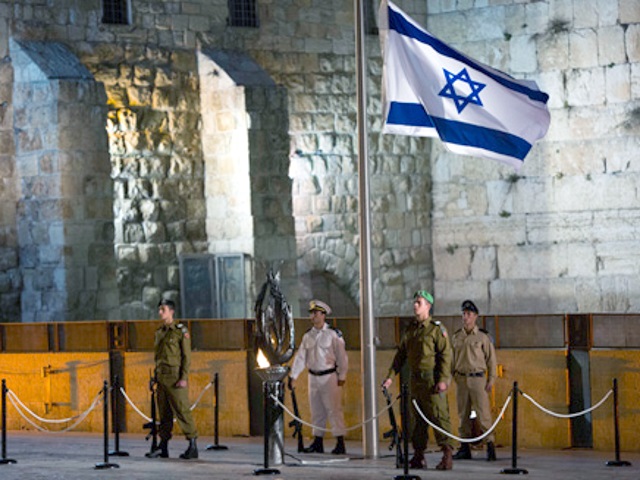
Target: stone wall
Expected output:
[562,234]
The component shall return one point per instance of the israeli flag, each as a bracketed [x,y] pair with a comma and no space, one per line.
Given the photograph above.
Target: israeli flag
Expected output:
[432,90]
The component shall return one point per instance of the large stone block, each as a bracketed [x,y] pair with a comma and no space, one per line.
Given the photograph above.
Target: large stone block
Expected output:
[618,258]
[546,261]
[451,263]
[586,87]
[522,51]
[540,296]
[449,295]
[611,48]
[632,41]
[618,80]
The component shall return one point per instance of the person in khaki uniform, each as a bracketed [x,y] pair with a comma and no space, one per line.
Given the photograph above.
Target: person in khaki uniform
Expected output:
[173,357]
[474,368]
[426,347]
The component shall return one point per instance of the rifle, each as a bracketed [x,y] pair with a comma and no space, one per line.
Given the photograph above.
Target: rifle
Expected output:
[152,425]
[297,432]
[394,433]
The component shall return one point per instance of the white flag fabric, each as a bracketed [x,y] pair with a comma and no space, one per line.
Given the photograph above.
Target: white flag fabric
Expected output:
[431,89]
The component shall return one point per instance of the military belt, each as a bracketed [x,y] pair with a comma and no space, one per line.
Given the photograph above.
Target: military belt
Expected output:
[476,374]
[319,373]
[167,369]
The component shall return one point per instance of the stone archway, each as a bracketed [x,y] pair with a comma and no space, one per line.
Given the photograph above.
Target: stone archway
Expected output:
[245,143]
[64,214]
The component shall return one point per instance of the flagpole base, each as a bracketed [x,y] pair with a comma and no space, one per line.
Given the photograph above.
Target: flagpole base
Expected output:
[618,463]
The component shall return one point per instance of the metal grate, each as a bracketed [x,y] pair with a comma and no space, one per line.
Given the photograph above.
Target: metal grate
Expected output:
[243,13]
[116,12]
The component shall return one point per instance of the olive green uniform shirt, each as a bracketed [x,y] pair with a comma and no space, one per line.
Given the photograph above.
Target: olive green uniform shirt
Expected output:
[426,348]
[173,350]
[173,359]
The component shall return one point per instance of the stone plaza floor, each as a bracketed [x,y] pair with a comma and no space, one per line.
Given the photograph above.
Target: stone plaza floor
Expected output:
[75,456]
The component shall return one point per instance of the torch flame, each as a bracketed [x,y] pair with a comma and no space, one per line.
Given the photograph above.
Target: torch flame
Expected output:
[262,360]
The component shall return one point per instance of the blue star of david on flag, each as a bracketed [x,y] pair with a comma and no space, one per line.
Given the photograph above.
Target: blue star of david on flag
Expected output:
[449,90]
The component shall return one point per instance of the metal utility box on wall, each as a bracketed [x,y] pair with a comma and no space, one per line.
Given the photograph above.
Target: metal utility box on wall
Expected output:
[213,286]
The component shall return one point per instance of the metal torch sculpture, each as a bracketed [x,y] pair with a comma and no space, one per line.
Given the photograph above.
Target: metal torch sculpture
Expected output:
[275,338]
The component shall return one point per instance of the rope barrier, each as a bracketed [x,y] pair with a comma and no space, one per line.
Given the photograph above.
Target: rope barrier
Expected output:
[13,399]
[207,387]
[148,419]
[568,415]
[464,440]
[37,417]
[291,414]
[133,405]
[53,371]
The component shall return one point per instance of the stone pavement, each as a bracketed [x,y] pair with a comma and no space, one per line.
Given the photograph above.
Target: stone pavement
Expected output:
[75,455]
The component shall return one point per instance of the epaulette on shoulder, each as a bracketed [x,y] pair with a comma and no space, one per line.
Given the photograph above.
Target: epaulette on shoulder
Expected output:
[443,329]
[338,331]
[486,332]
[457,331]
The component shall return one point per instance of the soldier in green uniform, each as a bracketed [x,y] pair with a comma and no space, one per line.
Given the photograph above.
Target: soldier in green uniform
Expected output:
[173,357]
[426,347]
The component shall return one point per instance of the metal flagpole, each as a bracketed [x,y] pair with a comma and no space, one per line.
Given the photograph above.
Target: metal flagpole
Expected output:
[367,330]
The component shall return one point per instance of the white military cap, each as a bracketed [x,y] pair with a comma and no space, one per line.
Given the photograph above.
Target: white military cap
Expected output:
[320,306]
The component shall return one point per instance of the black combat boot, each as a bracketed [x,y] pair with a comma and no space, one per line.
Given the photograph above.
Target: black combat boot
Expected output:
[191,451]
[491,452]
[464,453]
[340,448]
[315,447]
[161,451]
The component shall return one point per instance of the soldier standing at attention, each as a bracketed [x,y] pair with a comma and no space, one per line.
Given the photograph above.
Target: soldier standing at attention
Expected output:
[474,366]
[425,346]
[322,352]
[173,357]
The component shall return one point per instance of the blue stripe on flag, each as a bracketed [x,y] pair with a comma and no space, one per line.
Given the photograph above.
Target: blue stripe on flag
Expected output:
[412,114]
[459,133]
[398,23]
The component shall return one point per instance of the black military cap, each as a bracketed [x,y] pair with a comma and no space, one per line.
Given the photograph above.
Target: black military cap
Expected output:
[469,305]
[169,303]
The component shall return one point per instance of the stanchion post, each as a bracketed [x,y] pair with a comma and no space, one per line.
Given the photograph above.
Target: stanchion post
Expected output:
[267,420]
[216,417]
[5,460]
[617,462]
[115,393]
[404,407]
[105,413]
[514,434]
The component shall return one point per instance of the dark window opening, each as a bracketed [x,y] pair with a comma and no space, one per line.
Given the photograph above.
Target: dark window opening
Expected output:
[243,13]
[370,17]
[116,12]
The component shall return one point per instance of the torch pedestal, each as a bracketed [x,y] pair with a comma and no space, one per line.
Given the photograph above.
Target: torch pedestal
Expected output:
[272,385]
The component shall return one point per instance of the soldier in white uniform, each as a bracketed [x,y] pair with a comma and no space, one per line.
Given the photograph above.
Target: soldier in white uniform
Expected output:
[322,352]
